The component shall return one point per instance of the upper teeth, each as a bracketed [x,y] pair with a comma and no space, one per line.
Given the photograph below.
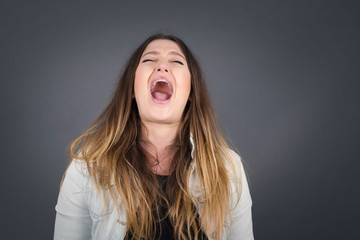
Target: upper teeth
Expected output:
[161,80]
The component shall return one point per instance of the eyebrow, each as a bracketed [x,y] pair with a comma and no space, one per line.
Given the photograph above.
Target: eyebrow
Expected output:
[157,53]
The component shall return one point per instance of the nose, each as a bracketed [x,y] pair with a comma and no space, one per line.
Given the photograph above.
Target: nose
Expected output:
[162,68]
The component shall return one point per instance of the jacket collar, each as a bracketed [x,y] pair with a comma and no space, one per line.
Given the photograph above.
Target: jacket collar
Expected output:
[192,145]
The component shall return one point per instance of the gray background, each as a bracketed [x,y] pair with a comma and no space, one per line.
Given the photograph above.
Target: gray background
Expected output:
[283,76]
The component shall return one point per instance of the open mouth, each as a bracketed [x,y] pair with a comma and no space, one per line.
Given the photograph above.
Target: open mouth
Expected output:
[161,90]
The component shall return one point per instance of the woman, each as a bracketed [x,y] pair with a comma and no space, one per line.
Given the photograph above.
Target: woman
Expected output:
[155,165]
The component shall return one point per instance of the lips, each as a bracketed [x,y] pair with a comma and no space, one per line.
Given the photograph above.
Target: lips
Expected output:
[161,90]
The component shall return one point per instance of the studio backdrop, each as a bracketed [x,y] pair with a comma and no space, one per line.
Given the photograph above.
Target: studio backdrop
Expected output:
[283,76]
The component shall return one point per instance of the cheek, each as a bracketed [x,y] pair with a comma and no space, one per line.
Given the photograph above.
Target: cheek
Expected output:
[187,82]
[139,82]
[136,86]
[183,78]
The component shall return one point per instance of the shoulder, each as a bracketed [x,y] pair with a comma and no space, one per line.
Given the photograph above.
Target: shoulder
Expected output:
[241,201]
[238,180]
[236,167]
[233,163]
[72,199]
[77,168]
[76,174]
[234,156]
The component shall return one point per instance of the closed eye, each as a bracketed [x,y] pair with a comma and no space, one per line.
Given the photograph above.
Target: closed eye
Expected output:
[179,62]
[147,60]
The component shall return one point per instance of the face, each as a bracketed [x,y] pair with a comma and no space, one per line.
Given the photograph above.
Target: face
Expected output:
[162,83]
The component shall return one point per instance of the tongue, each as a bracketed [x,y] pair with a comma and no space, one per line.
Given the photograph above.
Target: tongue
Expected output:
[161,96]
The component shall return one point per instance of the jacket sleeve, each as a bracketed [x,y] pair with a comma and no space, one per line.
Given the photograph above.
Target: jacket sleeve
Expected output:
[241,217]
[73,221]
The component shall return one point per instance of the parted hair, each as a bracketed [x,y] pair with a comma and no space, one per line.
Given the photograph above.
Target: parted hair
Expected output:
[117,160]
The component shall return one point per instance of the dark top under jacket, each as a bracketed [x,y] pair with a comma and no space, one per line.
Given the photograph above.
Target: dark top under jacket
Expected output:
[166,229]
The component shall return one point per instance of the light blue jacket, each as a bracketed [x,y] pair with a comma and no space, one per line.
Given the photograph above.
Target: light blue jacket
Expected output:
[80,215]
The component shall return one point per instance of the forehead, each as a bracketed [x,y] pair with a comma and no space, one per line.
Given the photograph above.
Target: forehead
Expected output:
[162,45]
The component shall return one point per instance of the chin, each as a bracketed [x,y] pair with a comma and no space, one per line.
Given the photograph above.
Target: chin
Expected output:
[164,119]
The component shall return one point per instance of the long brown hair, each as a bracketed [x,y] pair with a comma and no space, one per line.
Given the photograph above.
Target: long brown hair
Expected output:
[115,156]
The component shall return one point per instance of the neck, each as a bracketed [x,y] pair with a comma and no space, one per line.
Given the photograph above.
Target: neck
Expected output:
[160,137]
